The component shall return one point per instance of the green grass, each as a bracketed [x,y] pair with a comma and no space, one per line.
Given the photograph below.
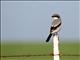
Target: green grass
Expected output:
[66,48]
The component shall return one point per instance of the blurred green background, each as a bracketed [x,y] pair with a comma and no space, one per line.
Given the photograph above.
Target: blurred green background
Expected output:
[31,51]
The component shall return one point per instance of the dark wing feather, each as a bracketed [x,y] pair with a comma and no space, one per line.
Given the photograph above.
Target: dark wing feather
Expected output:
[49,37]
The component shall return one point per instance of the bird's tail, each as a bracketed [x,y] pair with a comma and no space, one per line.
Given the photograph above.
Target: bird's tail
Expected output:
[49,37]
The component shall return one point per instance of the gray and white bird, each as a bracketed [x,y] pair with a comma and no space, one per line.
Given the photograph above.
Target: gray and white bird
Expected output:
[55,27]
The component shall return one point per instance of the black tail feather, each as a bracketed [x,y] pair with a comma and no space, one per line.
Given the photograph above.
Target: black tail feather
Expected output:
[49,37]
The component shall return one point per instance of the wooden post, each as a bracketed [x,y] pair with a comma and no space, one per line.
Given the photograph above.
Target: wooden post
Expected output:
[56,47]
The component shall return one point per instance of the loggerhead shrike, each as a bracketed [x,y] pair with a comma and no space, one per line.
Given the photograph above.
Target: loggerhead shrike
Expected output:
[55,27]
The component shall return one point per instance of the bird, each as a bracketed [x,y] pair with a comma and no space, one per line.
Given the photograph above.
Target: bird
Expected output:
[55,27]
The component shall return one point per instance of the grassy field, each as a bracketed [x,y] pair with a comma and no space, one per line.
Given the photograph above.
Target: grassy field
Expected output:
[39,51]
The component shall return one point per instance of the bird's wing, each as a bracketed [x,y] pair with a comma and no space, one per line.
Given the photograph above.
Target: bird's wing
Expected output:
[56,22]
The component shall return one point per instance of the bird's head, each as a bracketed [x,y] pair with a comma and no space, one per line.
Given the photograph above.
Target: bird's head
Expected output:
[55,16]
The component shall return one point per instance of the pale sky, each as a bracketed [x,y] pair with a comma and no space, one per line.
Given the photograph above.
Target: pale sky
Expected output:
[30,20]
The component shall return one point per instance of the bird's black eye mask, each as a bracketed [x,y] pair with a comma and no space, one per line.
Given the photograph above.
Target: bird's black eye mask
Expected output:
[55,16]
